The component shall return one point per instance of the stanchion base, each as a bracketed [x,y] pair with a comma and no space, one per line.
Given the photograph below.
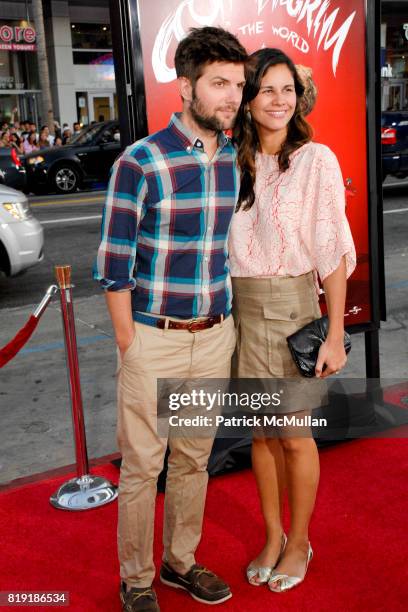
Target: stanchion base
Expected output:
[84,493]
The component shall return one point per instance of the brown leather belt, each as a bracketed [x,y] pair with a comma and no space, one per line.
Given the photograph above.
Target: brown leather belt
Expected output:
[192,325]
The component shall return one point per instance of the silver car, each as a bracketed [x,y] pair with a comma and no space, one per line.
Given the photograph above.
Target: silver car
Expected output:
[21,235]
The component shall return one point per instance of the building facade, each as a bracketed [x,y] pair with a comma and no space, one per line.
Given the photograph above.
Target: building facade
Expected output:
[394,55]
[19,82]
[79,50]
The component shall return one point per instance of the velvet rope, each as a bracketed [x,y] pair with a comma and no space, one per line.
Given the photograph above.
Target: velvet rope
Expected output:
[14,346]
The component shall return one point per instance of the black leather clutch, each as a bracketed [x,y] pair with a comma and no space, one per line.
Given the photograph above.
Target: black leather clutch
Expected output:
[305,344]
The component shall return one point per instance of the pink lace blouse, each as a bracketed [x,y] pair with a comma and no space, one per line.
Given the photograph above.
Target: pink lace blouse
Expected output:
[298,222]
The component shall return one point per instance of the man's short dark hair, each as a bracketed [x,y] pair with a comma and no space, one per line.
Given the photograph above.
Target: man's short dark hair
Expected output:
[205,46]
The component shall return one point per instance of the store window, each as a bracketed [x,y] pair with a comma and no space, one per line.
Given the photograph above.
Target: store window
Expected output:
[92,58]
[92,45]
[394,70]
[397,50]
[91,36]
[18,70]
[19,79]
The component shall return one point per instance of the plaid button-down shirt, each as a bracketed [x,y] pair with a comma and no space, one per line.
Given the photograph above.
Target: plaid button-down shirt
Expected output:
[165,224]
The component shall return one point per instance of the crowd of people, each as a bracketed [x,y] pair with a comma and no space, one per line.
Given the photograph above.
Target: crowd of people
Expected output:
[25,136]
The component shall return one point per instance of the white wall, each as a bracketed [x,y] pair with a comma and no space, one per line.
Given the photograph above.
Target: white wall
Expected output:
[61,66]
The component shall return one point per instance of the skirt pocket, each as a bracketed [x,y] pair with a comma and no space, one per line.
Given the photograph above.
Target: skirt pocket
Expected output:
[281,319]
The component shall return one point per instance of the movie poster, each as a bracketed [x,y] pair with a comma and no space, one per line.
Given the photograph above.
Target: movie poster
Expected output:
[328,37]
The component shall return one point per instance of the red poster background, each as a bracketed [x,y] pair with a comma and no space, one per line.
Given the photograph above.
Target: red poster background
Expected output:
[339,117]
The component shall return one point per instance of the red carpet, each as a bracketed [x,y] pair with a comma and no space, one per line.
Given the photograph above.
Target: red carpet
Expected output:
[359,534]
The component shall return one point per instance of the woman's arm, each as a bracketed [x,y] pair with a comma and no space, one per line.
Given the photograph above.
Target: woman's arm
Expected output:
[332,353]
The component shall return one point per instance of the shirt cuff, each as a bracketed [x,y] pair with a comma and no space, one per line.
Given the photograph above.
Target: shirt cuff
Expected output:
[119,285]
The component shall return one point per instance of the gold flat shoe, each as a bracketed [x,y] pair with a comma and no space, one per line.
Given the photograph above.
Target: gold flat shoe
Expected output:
[263,573]
[288,582]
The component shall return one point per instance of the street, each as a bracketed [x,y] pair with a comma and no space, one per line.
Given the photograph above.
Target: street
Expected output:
[72,230]
[396,249]
[35,416]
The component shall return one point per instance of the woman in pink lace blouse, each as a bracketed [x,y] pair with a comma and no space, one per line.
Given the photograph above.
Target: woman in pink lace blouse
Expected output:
[289,230]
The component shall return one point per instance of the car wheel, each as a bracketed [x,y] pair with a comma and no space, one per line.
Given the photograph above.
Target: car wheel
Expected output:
[65,179]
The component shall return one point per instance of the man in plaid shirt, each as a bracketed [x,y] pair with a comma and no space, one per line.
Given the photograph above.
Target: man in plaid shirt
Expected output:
[163,263]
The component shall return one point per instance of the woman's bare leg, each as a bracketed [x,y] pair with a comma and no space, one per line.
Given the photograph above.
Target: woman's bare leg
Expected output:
[268,468]
[302,478]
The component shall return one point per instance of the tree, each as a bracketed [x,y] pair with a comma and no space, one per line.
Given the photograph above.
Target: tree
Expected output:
[47,113]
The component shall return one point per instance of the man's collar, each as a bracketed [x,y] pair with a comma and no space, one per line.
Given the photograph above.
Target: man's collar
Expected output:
[189,139]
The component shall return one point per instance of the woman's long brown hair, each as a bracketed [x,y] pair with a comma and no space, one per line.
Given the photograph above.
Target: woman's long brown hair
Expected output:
[245,134]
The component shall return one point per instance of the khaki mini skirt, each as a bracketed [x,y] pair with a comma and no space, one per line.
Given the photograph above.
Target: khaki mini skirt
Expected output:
[266,311]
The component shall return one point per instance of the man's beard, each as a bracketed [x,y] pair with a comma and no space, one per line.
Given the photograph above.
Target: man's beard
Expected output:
[205,121]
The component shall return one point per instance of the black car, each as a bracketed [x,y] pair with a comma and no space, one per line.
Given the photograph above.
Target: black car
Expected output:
[12,170]
[394,140]
[85,161]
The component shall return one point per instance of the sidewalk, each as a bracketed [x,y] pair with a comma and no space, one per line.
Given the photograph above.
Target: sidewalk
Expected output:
[36,428]
[35,417]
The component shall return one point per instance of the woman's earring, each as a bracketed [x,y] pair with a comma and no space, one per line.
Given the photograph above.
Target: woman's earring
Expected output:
[248,115]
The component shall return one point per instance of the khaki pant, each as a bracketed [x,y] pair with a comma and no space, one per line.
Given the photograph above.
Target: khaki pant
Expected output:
[154,354]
